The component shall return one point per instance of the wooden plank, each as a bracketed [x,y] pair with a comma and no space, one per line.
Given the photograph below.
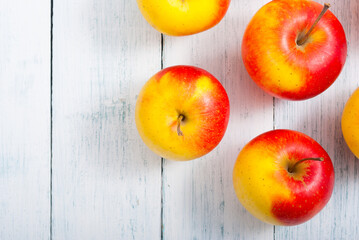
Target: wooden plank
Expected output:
[25,119]
[106,183]
[199,199]
[320,118]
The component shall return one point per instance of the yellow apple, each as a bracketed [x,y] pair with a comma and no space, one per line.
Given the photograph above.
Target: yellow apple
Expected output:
[283,177]
[350,123]
[183,17]
[182,113]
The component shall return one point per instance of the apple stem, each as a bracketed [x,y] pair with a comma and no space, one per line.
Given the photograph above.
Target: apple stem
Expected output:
[292,168]
[179,120]
[304,38]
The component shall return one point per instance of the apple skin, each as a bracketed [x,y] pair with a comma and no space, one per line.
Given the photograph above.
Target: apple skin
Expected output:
[280,66]
[267,190]
[350,123]
[183,17]
[195,94]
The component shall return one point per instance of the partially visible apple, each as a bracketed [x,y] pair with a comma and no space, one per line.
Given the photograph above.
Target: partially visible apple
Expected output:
[183,17]
[294,49]
[350,123]
[283,177]
[182,113]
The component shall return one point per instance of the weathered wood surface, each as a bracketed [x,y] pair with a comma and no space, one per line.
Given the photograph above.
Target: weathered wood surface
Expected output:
[106,183]
[25,119]
[199,199]
[102,182]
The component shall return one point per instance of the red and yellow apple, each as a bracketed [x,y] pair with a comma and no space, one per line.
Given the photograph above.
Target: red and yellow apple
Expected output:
[283,177]
[182,113]
[350,123]
[183,17]
[288,59]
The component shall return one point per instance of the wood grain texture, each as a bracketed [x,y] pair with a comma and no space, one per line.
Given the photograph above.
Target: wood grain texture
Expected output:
[106,183]
[25,119]
[199,199]
[320,118]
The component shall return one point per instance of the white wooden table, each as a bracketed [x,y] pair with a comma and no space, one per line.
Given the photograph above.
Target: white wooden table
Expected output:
[72,165]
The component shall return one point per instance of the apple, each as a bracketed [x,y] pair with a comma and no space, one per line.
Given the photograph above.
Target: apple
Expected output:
[182,113]
[350,123]
[283,177]
[294,49]
[183,17]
